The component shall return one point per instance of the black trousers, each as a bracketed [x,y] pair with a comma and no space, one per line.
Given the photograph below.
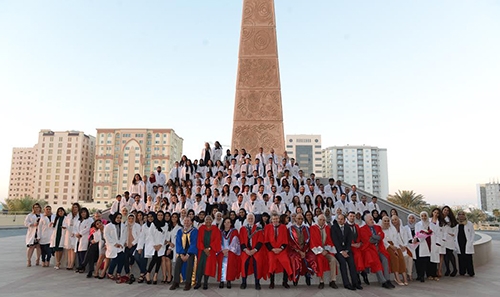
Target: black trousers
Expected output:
[155,260]
[432,269]
[450,258]
[343,263]
[422,265]
[465,264]
[178,268]
[91,257]
[247,265]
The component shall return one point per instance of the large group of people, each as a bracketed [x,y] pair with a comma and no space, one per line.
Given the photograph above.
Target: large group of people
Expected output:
[234,216]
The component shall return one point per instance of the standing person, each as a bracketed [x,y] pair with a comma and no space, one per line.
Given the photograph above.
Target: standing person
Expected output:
[57,239]
[137,187]
[426,249]
[32,221]
[438,221]
[70,240]
[160,177]
[217,152]
[45,230]
[155,246]
[206,153]
[322,246]
[450,232]
[465,244]
[139,251]
[302,259]
[186,250]
[133,235]
[342,239]
[82,230]
[229,261]
[173,229]
[95,246]
[209,245]
[410,234]
[115,236]
[276,239]
[253,258]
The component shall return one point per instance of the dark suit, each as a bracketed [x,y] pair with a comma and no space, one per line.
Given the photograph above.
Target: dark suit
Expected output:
[342,242]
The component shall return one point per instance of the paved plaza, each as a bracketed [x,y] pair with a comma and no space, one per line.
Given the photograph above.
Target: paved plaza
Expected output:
[18,280]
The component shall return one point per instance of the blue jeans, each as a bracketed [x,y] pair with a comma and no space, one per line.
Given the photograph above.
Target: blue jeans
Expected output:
[118,261]
[141,261]
[129,258]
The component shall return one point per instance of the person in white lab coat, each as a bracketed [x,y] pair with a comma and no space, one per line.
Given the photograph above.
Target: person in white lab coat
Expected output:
[58,234]
[82,230]
[70,240]
[45,231]
[426,251]
[140,258]
[160,177]
[438,220]
[32,221]
[155,246]
[450,233]
[133,233]
[464,243]
[115,235]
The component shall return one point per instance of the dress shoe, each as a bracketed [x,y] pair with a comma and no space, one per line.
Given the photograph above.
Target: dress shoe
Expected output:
[285,285]
[321,285]
[187,287]
[228,285]
[365,279]
[271,286]
[308,280]
[333,285]
[257,287]
[205,286]
[174,286]
[454,273]
[243,286]
[359,287]
[390,284]
[221,285]
[385,285]
[447,273]
[349,287]
[197,286]
[295,283]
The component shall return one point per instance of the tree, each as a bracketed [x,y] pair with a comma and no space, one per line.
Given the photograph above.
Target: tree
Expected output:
[476,215]
[496,213]
[21,204]
[409,200]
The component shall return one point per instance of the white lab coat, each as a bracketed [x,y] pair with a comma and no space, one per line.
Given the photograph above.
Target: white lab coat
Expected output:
[45,229]
[439,238]
[424,250]
[469,235]
[83,228]
[64,229]
[155,237]
[172,237]
[31,233]
[100,240]
[112,237]
[449,235]
[69,236]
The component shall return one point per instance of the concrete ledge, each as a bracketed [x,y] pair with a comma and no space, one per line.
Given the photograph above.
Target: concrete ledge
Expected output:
[482,250]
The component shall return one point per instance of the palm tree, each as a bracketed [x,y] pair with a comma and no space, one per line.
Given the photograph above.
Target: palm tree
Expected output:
[409,200]
[21,204]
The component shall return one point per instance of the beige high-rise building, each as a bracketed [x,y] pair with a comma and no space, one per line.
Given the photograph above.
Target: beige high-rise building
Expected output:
[121,153]
[64,167]
[21,172]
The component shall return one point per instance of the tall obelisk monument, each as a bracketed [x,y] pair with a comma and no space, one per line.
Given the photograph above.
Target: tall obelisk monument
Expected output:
[258,113]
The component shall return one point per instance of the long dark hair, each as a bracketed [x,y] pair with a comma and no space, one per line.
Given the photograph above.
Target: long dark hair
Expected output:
[441,221]
[451,216]
[57,215]
[83,210]
[134,182]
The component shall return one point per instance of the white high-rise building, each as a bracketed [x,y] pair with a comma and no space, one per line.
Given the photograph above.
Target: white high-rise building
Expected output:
[363,166]
[22,171]
[489,196]
[306,150]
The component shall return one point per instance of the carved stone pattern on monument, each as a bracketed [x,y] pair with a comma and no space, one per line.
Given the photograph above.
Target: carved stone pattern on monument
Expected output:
[258,42]
[258,13]
[258,73]
[258,105]
[253,136]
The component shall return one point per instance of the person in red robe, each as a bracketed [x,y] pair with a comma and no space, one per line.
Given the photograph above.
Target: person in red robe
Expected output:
[355,246]
[276,238]
[321,244]
[209,245]
[302,259]
[253,255]
[229,257]
[374,253]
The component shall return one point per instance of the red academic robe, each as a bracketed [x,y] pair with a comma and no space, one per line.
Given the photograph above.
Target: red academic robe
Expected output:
[257,235]
[277,262]
[301,266]
[356,252]
[215,245]
[317,246]
[233,260]
[370,254]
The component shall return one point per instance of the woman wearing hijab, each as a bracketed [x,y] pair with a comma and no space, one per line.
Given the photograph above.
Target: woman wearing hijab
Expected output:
[209,245]
[409,235]
[32,237]
[229,257]
[394,246]
[57,239]
[115,236]
[133,235]
[82,231]
[450,233]
[155,246]
[465,244]
[426,251]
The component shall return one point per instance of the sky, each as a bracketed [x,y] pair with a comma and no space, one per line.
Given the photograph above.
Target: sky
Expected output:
[420,78]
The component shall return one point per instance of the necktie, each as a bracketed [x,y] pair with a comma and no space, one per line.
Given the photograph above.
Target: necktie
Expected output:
[342,229]
[275,232]
[373,230]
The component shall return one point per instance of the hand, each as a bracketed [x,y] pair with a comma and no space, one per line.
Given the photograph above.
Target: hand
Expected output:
[345,254]
[172,245]
[252,252]
[51,224]
[402,247]
[207,251]
[117,245]
[184,258]
[356,245]
[451,234]
[414,240]
[324,252]
[248,252]
[302,254]
[139,251]
[225,252]
[169,252]
[93,241]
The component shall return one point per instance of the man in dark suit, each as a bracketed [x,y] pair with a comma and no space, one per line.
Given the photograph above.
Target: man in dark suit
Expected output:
[342,239]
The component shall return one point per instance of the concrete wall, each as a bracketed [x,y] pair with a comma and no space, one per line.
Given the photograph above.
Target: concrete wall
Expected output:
[482,250]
